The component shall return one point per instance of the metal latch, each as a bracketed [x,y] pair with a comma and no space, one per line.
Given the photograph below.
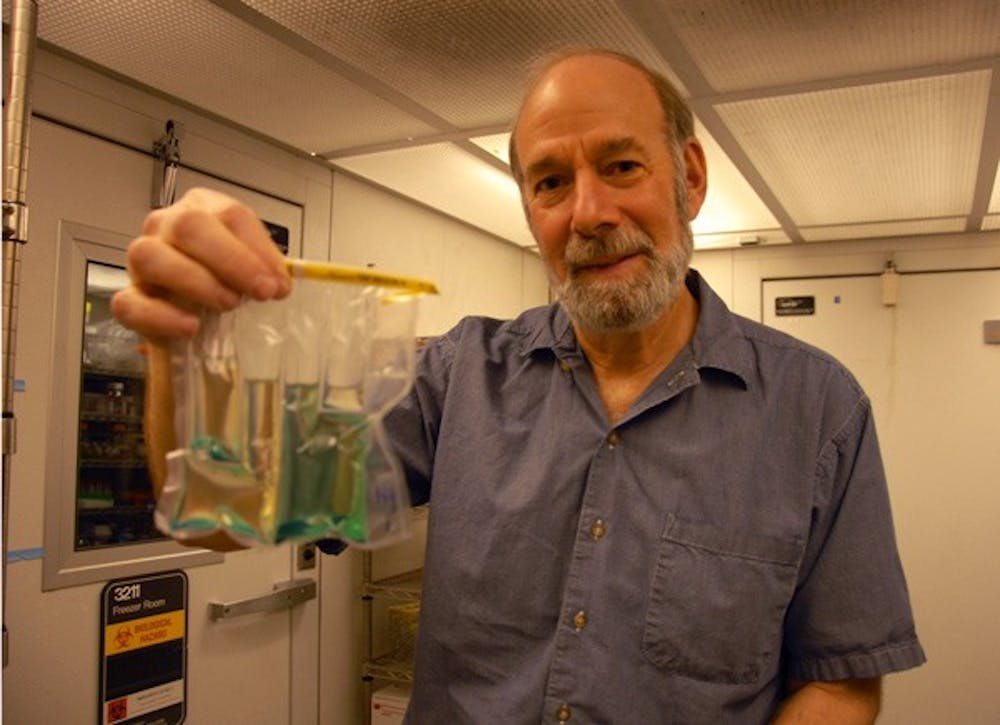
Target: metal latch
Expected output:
[285,596]
[991,332]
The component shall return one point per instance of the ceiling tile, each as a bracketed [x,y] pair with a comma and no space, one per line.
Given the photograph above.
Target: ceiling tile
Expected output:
[890,151]
[193,50]
[463,60]
[842,114]
[762,43]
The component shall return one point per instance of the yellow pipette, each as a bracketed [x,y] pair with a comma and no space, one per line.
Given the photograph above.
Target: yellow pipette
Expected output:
[310,269]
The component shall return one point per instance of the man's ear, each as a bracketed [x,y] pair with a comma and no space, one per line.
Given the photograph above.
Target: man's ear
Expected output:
[697,176]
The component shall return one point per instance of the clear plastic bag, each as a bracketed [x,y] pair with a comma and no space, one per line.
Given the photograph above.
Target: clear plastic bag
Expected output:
[279,406]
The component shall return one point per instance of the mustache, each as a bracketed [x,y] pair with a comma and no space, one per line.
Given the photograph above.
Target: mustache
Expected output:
[616,243]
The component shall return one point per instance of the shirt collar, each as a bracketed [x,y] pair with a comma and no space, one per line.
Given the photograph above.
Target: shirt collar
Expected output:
[718,343]
[547,328]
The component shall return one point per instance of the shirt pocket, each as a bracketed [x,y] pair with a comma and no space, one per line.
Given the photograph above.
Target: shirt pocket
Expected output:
[717,601]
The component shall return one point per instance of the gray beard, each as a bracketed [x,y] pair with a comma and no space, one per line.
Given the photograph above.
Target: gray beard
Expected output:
[602,306]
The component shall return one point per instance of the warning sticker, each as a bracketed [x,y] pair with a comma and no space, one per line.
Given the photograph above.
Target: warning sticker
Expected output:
[154,699]
[136,633]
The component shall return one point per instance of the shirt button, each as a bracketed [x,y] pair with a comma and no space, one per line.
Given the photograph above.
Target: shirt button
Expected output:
[613,439]
[579,620]
[564,366]
[597,529]
[563,713]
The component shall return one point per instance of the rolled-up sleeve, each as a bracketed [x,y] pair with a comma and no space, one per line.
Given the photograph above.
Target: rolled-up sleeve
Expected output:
[850,616]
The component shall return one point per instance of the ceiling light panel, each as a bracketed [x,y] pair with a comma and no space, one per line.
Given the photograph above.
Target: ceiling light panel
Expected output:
[892,151]
[497,144]
[953,225]
[731,204]
[994,207]
[451,180]
[193,50]
[463,60]
[758,237]
[762,43]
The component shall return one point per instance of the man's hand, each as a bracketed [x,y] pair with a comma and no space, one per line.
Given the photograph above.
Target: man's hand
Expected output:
[844,702]
[205,251]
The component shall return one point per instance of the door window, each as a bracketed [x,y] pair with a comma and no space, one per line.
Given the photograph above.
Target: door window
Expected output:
[114,494]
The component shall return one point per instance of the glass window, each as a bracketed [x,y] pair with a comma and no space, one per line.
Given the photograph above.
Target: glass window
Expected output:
[114,495]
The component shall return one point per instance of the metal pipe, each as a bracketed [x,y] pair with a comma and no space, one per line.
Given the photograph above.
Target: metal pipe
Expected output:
[23,30]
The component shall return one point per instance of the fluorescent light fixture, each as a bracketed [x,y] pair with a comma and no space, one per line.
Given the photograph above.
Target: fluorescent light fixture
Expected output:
[496,144]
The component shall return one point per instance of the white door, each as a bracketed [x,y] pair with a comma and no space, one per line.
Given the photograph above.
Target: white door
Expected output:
[256,668]
[935,387]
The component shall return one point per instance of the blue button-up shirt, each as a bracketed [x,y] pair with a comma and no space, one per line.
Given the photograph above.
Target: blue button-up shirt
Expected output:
[731,531]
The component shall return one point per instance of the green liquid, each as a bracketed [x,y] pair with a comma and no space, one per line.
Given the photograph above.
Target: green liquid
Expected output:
[315,487]
[324,452]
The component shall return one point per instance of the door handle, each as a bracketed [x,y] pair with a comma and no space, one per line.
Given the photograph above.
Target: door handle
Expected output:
[285,596]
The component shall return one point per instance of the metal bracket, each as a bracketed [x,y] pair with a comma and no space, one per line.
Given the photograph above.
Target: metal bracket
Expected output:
[15,221]
[285,596]
[167,152]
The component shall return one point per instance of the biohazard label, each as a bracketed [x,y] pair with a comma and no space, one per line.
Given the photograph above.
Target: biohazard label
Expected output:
[144,632]
[144,650]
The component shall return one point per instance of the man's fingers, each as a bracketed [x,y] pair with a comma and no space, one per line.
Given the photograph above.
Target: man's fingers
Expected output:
[228,238]
[207,250]
[246,225]
[203,237]
[154,265]
[152,317]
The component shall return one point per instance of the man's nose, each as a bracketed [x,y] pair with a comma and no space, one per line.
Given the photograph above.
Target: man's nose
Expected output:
[594,205]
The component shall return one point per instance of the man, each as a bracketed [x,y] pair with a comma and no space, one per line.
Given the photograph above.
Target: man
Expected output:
[644,508]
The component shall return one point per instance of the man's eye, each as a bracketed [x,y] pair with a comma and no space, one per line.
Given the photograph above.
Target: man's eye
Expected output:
[549,183]
[623,167]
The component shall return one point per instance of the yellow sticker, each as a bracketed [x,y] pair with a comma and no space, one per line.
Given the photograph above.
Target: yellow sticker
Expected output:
[144,632]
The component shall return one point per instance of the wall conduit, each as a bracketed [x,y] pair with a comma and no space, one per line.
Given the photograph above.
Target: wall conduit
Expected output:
[17,116]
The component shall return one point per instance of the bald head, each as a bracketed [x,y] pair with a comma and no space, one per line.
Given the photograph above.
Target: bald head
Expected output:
[595,69]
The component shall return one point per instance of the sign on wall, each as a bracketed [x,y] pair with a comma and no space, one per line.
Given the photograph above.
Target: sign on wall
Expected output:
[144,650]
[794,306]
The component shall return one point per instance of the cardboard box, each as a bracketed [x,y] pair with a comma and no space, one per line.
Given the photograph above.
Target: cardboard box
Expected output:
[389,704]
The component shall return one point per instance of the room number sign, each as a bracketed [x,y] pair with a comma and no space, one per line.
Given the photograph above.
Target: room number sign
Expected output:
[144,650]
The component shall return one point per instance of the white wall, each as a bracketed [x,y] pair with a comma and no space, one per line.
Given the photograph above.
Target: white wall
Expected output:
[736,274]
